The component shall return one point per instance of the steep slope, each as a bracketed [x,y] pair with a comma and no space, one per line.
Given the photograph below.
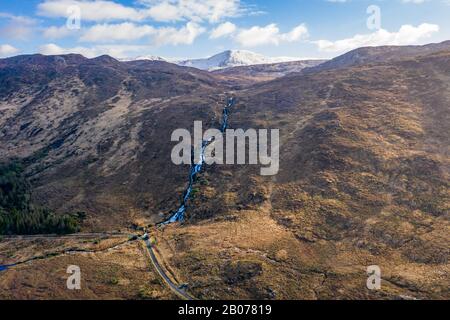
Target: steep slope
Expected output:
[380,54]
[364,180]
[88,128]
[364,170]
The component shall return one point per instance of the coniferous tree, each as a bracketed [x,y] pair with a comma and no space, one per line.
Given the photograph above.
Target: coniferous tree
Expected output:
[18,216]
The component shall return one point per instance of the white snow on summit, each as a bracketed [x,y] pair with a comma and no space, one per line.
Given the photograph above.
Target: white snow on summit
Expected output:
[232,58]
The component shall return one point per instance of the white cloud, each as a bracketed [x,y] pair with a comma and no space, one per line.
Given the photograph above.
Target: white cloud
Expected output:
[53,49]
[164,12]
[128,31]
[7,50]
[116,51]
[54,32]
[18,27]
[117,32]
[193,10]
[406,35]
[295,34]
[256,36]
[222,30]
[184,35]
[414,1]
[270,34]
[100,10]
[159,10]
[18,19]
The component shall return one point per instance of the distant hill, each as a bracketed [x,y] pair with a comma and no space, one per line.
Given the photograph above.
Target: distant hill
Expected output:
[265,72]
[380,54]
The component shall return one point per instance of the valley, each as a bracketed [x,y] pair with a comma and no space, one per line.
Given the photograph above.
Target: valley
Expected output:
[363,180]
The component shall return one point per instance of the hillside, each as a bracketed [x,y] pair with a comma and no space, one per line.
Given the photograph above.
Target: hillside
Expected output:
[364,171]
[264,72]
[368,55]
[364,180]
[88,128]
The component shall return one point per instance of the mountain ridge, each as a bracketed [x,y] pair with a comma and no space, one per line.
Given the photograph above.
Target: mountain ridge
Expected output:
[233,58]
[363,180]
[376,54]
[223,60]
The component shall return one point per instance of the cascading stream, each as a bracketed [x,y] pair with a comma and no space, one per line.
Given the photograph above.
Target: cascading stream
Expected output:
[179,215]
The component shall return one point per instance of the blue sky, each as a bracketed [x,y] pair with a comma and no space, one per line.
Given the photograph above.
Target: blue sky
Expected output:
[200,28]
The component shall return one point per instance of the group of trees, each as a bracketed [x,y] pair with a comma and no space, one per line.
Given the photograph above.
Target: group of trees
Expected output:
[19,216]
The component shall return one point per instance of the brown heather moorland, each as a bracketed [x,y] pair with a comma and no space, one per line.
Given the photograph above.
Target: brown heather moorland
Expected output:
[364,178]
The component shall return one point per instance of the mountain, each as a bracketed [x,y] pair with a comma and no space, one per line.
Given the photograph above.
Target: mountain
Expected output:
[232,58]
[264,72]
[79,123]
[363,180]
[149,58]
[379,54]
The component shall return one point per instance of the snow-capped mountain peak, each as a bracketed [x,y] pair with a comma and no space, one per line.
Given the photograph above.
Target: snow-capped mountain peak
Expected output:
[232,58]
[152,58]
[149,58]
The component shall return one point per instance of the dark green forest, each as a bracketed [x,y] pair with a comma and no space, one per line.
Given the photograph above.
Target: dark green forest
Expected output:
[19,216]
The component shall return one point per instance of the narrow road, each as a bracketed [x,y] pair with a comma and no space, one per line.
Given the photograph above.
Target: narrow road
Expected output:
[175,289]
[172,286]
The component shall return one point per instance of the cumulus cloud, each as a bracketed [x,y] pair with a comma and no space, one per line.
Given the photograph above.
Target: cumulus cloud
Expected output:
[165,11]
[406,35]
[174,36]
[194,10]
[100,10]
[135,21]
[223,30]
[159,10]
[270,34]
[256,36]
[55,32]
[117,32]
[7,50]
[116,51]
[295,34]
[128,31]
[17,27]
[53,49]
